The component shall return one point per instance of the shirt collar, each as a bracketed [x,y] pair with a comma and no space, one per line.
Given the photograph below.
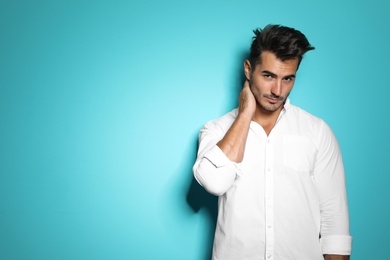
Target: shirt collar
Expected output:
[286,104]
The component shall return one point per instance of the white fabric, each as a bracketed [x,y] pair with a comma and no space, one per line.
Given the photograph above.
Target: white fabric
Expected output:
[288,191]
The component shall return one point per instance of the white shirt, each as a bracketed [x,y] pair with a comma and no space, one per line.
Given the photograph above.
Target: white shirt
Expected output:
[287,199]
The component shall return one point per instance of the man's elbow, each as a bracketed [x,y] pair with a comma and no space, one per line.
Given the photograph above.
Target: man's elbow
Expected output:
[211,186]
[214,180]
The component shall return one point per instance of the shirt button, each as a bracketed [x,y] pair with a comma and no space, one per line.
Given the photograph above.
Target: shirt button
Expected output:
[269,226]
[269,256]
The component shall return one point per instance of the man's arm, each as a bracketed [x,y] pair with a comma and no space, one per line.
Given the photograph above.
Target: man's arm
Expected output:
[216,166]
[233,143]
[336,257]
[329,179]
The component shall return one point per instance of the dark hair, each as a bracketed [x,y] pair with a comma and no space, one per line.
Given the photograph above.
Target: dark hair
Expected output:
[285,42]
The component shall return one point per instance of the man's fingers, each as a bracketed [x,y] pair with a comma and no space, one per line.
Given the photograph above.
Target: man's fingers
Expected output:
[246,83]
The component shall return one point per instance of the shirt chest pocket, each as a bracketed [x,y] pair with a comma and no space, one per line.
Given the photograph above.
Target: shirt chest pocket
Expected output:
[298,153]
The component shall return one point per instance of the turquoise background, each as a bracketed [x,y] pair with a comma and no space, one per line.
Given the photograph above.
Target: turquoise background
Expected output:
[101,103]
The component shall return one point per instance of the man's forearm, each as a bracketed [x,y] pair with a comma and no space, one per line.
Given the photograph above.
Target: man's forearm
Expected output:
[336,257]
[233,143]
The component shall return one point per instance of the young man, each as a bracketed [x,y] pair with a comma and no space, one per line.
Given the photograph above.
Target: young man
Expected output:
[277,169]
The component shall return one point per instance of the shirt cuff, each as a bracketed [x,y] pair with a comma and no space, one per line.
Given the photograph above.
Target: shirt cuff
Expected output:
[336,245]
[219,159]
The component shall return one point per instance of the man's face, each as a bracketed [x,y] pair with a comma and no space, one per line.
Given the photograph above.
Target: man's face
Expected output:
[271,81]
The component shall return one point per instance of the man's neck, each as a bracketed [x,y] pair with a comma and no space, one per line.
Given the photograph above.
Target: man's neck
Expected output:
[266,119]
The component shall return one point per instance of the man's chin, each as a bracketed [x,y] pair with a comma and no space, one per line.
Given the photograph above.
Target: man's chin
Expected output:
[271,107]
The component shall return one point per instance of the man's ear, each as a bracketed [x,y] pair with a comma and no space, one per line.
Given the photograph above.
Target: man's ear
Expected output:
[247,69]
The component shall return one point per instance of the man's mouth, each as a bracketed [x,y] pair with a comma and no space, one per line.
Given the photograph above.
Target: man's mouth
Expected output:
[273,99]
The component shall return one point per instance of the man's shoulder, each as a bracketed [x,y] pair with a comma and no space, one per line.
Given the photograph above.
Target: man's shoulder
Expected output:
[303,115]
[224,122]
[308,123]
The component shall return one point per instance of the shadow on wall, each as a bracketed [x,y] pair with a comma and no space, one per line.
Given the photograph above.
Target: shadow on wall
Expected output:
[197,197]
[186,203]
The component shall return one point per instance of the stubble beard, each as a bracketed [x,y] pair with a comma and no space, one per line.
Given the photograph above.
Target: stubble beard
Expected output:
[269,107]
[265,105]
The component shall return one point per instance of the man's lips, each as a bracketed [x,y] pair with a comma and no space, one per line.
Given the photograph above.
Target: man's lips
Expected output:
[273,100]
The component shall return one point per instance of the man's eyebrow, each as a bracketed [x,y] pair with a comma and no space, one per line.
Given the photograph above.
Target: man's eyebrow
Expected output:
[290,76]
[267,72]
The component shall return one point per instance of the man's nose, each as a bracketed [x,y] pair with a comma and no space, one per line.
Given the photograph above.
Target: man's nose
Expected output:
[277,88]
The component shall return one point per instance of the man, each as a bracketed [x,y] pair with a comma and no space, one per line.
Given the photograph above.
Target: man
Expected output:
[277,169]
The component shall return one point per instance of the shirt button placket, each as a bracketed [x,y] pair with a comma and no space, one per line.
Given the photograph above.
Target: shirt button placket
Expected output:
[269,207]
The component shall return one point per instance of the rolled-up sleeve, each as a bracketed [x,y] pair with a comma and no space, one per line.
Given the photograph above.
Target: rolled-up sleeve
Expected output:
[213,169]
[336,245]
[330,182]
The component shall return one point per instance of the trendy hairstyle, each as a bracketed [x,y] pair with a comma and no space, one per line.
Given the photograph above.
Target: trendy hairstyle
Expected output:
[285,42]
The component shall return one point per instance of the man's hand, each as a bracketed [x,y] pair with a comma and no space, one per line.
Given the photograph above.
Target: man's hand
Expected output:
[336,257]
[247,101]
